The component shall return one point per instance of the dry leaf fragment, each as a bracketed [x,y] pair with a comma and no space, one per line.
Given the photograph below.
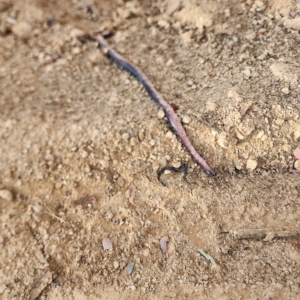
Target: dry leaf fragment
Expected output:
[132,189]
[106,243]
[297,153]
[163,246]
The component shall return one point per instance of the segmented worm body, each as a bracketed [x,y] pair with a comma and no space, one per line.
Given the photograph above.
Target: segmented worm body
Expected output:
[155,95]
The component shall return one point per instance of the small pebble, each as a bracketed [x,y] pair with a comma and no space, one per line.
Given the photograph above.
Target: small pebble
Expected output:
[160,114]
[251,164]
[76,32]
[76,50]
[164,24]
[84,154]
[169,62]
[129,268]
[10,20]
[260,134]
[247,72]
[132,287]
[107,244]
[21,30]
[239,136]
[222,140]
[37,208]
[186,120]
[116,264]
[141,136]
[146,252]
[286,148]
[125,136]
[6,195]
[152,142]
[201,60]
[285,90]
[169,135]
[297,164]
[58,185]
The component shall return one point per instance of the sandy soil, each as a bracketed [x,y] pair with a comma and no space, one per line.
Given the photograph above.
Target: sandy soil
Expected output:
[73,124]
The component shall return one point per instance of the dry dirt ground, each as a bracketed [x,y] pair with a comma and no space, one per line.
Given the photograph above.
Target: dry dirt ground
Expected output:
[72,124]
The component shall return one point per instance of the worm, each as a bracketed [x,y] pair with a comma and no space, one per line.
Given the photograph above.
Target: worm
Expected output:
[156,97]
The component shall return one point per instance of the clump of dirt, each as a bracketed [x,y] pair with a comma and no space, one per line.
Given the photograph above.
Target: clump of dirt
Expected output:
[74,126]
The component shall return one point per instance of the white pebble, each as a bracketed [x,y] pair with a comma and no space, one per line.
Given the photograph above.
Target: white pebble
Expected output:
[247,72]
[160,114]
[169,62]
[146,252]
[116,264]
[6,195]
[125,136]
[251,164]
[37,208]
[169,135]
[76,32]
[287,148]
[285,90]
[260,134]
[297,164]
[164,24]
[76,50]
[186,120]
[84,154]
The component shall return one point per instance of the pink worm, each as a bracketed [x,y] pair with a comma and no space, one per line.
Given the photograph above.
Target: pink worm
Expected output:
[155,95]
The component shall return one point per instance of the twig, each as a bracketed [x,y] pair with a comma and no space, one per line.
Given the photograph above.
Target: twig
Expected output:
[207,256]
[50,213]
[41,284]
[265,234]
[85,200]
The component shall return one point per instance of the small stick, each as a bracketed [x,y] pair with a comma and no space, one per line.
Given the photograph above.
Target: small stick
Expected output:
[85,200]
[207,256]
[156,97]
[50,213]
[259,234]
